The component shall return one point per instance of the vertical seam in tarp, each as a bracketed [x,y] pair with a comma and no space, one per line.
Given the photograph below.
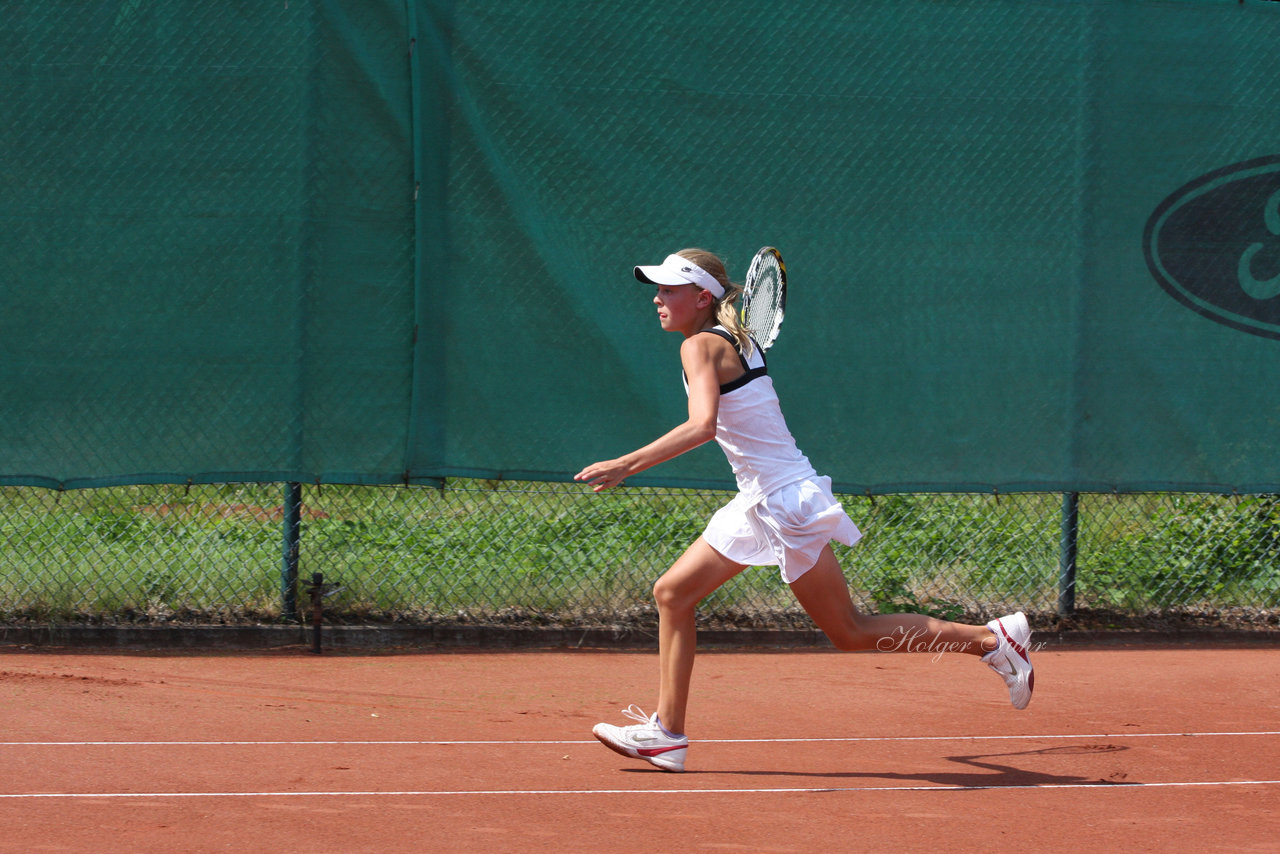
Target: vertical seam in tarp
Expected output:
[297,419]
[424,451]
[415,140]
[1086,267]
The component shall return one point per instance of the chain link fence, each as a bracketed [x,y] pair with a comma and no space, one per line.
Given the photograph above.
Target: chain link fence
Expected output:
[555,554]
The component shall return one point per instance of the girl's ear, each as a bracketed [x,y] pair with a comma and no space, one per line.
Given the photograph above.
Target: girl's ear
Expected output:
[704,299]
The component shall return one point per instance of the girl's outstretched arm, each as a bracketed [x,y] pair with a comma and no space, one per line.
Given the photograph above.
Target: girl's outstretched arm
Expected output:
[697,357]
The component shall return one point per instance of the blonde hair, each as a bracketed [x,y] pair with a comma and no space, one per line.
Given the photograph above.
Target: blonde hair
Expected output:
[726,307]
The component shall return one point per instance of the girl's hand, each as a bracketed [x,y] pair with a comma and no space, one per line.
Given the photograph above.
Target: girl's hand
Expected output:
[604,474]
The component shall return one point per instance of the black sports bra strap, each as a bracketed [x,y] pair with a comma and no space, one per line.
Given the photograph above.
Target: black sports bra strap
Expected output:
[750,373]
[733,342]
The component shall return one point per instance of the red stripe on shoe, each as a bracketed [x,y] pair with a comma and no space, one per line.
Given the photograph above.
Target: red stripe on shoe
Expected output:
[658,751]
[1017,647]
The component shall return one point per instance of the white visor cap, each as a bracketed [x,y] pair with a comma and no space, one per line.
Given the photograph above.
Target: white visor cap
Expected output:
[680,271]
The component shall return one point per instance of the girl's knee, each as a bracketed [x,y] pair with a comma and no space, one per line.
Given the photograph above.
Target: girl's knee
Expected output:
[666,595]
[670,596]
[699,572]
[848,633]
[850,640]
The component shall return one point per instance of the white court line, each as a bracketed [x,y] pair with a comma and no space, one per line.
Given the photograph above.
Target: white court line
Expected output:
[540,792]
[518,792]
[868,738]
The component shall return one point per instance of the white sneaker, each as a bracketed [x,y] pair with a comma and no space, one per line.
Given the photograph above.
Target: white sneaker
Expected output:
[645,740]
[1011,659]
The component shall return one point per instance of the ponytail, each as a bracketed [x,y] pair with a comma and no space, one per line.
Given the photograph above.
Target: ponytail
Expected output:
[726,306]
[728,317]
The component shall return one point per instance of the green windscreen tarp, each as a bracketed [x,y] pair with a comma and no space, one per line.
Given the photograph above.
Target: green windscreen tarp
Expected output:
[1031,245]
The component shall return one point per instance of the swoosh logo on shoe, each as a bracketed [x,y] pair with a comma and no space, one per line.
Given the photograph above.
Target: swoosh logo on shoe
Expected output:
[658,751]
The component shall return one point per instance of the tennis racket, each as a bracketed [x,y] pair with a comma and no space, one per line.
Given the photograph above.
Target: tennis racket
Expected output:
[764,296]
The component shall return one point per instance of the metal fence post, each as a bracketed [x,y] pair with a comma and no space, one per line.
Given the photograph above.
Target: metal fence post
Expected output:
[1067,552]
[292,548]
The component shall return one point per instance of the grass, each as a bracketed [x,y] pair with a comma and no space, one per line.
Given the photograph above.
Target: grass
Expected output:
[548,553]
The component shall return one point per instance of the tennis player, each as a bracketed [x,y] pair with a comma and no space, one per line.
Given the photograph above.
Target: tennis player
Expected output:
[784,514]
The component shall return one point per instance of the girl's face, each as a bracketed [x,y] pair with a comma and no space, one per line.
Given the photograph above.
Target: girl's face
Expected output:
[682,308]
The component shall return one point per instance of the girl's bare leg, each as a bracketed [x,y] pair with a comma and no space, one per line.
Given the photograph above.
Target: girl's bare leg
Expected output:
[824,594]
[695,575]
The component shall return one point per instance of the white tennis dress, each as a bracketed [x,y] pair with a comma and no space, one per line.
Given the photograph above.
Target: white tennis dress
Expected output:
[784,514]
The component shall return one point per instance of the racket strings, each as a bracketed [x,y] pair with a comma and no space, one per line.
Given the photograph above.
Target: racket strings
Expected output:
[762,312]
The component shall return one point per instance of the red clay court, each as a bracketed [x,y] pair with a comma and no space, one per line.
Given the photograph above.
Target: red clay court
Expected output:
[1123,748]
